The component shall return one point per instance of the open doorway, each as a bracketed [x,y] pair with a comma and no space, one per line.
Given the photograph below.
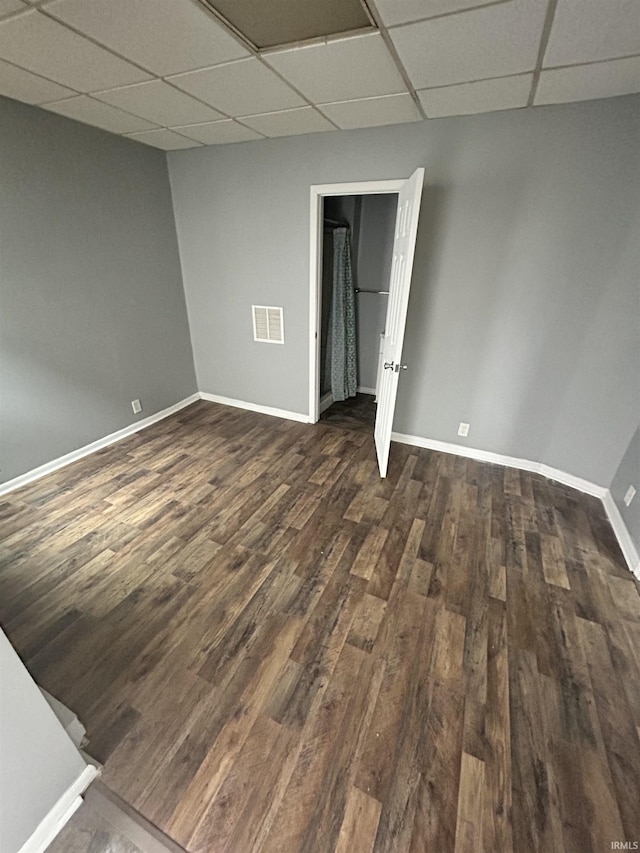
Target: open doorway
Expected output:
[389,362]
[357,251]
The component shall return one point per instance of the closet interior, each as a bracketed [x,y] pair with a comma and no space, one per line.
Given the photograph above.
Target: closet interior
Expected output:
[357,247]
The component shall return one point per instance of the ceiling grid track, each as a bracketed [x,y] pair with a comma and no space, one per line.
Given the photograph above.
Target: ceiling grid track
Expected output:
[178,73]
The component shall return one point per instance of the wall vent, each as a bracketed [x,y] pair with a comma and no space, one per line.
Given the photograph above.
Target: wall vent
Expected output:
[268,324]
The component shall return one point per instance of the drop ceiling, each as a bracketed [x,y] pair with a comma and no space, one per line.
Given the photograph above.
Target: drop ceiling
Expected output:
[184,73]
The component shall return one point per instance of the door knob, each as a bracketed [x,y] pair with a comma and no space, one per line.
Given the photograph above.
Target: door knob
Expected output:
[400,367]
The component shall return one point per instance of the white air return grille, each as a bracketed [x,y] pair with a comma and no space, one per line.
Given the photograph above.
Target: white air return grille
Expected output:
[268,324]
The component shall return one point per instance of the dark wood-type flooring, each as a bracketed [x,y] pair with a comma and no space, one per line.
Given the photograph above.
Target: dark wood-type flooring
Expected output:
[273,649]
[357,413]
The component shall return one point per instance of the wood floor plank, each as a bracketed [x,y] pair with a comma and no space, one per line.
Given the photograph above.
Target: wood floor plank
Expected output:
[358,830]
[274,649]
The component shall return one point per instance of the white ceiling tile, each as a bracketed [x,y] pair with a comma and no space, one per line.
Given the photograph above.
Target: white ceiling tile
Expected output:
[165,36]
[101,115]
[9,6]
[160,103]
[239,88]
[589,30]
[340,70]
[485,96]
[24,86]
[372,112]
[400,11]
[164,139]
[289,122]
[494,41]
[587,82]
[39,44]
[219,132]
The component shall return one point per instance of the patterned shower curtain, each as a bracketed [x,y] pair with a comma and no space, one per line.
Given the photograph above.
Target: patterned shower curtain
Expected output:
[341,349]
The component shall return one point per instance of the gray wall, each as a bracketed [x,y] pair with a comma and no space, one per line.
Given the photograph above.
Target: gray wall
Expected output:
[375,251]
[628,474]
[39,761]
[92,306]
[523,318]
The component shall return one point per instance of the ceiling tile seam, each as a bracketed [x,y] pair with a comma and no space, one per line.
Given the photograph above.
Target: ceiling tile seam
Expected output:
[322,104]
[300,94]
[168,79]
[589,62]
[200,123]
[155,80]
[316,40]
[450,14]
[133,133]
[177,133]
[239,119]
[482,112]
[156,126]
[96,43]
[544,41]
[47,80]
[228,26]
[365,6]
[194,97]
[326,118]
[15,14]
[475,80]
[396,59]
[202,5]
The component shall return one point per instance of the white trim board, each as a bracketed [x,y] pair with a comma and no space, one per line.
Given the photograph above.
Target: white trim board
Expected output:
[499,459]
[325,401]
[81,452]
[300,417]
[627,547]
[620,529]
[60,814]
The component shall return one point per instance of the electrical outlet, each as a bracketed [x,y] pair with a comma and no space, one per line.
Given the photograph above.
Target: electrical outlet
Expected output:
[629,495]
[463,429]
[136,405]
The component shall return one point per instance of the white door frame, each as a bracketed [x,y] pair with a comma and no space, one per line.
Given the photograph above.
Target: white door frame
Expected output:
[318,192]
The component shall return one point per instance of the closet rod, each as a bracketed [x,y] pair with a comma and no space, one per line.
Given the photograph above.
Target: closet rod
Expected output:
[333,223]
[364,290]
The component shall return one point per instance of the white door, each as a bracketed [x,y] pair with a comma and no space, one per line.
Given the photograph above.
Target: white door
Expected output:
[404,245]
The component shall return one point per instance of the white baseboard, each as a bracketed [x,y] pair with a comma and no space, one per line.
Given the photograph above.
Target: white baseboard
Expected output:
[81,452]
[362,390]
[619,527]
[255,407]
[63,810]
[622,534]
[325,401]
[507,461]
